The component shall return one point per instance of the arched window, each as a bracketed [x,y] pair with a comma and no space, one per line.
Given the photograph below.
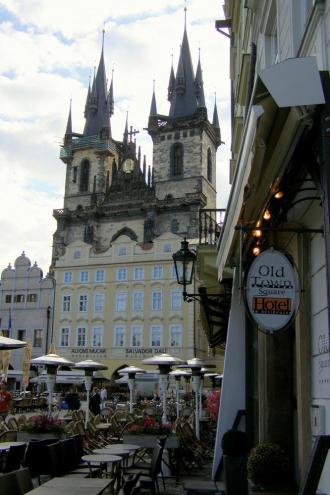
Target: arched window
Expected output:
[84,176]
[209,165]
[177,160]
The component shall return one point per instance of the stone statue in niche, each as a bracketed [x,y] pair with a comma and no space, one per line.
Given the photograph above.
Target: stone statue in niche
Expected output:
[149,228]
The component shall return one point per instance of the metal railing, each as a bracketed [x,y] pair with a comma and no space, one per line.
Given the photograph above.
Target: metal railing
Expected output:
[210,225]
[87,142]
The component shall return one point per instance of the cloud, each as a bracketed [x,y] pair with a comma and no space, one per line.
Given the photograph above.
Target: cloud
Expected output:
[48,51]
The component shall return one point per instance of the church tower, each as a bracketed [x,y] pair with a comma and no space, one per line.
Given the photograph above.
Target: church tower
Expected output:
[184,147]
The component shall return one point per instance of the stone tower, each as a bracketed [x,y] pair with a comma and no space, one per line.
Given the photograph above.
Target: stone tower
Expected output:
[109,189]
[184,148]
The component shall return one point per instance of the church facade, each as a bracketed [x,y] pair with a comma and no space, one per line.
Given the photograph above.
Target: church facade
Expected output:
[117,299]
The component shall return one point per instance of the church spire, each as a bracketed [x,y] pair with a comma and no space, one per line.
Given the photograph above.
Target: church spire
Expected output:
[199,85]
[125,140]
[171,83]
[68,132]
[215,121]
[98,114]
[184,101]
[153,106]
[110,96]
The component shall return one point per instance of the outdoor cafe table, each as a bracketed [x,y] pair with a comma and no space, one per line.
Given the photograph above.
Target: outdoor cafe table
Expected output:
[100,459]
[7,445]
[124,453]
[72,486]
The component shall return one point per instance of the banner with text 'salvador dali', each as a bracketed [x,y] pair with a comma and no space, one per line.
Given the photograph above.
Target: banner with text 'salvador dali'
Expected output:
[271,290]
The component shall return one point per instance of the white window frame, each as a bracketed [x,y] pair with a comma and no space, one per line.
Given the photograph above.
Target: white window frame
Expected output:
[138,273]
[176,299]
[100,275]
[119,336]
[138,300]
[76,255]
[167,247]
[137,333]
[81,336]
[157,300]
[66,303]
[158,330]
[175,328]
[97,336]
[122,274]
[67,277]
[84,276]
[83,303]
[99,298]
[121,301]
[64,340]
[122,250]
[157,272]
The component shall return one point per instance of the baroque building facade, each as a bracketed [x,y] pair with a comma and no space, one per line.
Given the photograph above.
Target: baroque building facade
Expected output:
[26,311]
[117,298]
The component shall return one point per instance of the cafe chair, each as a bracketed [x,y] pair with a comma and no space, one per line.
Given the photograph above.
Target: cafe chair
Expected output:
[36,458]
[16,483]
[14,458]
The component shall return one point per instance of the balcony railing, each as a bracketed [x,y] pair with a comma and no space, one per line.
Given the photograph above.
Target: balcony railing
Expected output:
[87,142]
[210,225]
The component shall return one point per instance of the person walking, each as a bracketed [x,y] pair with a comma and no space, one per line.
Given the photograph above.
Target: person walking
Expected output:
[5,400]
[95,402]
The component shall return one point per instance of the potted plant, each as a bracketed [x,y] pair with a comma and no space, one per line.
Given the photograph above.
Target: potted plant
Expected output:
[268,469]
[235,446]
[41,426]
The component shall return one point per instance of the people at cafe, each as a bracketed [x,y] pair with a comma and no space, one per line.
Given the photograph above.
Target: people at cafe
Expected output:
[72,400]
[95,402]
[5,400]
[104,395]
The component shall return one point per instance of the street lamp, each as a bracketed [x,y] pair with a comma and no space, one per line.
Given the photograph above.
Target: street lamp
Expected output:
[51,362]
[164,363]
[89,366]
[184,264]
[131,371]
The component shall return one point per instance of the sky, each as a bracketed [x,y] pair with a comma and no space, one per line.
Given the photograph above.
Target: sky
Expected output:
[48,52]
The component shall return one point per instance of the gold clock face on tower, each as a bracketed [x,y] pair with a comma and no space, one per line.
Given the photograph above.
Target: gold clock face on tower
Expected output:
[128,166]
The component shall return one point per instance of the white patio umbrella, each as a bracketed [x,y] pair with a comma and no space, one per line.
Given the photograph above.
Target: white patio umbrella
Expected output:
[131,372]
[7,343]
[89,366]
[51,362]
[164,363]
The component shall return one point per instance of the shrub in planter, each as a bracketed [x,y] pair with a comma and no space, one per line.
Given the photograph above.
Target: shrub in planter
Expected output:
[235,446]
[268,466]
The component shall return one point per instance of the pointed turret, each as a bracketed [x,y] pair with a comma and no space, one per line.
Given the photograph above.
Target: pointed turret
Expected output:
[171,84]
[125,138]
[215,120]
[88,98]
[110,97]
[153,106]
[184,101]
[68,132]
[199,85]
[98,114]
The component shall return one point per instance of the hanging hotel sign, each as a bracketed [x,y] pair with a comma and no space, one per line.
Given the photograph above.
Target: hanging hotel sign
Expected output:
[271,290]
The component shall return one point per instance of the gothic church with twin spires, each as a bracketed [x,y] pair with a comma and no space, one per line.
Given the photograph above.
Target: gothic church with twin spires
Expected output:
[116,294]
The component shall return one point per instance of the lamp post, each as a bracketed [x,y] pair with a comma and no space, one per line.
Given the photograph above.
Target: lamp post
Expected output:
[164,363]
[51,363]
[89,366]
[177,375]
[196,365]
[131,371]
